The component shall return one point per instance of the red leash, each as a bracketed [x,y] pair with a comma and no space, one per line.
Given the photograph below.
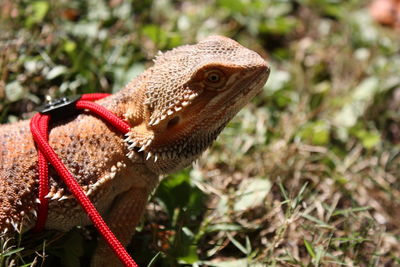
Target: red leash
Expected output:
[39,127]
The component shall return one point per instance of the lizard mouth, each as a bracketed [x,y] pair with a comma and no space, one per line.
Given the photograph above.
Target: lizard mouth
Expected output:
[253,84]
[244,91]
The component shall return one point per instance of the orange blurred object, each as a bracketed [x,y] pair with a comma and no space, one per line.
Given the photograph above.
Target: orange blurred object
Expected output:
[70,14]
[386,12]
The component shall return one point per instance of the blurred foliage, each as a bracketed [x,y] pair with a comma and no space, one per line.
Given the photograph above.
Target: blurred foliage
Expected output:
[306,175]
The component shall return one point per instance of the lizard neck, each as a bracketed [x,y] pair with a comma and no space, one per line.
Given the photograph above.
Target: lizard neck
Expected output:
[128,102]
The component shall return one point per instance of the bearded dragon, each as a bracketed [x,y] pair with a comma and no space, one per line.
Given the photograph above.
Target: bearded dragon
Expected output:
[176,109]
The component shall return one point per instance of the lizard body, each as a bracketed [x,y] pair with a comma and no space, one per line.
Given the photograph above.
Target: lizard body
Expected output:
[175,109]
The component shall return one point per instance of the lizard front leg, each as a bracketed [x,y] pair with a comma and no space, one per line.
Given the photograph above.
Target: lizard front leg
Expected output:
[125,213]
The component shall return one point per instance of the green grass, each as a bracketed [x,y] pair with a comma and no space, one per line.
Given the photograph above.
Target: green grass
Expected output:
[305,175]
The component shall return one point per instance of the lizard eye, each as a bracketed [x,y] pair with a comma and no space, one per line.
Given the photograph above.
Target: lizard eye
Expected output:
[215,79]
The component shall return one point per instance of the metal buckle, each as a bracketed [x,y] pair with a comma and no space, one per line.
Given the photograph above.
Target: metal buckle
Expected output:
[60,107]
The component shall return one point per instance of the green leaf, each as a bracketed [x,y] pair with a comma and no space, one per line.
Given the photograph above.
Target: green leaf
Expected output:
[279,25]
[69,46]
[319,222]
[191,256]
[11,252]
[225,227]
[124,76]
[371,140]
[333,10]
[368,139]
[319,255]
[277,81]
[156,34]
[238,245]
[232,6]
[346,212]
[231,263]
[56,71]
[316,133]
[154,259]
[176,191]
[39,10]
[14,91]
[251,193]
[355,106]
[283,191]
[309,248]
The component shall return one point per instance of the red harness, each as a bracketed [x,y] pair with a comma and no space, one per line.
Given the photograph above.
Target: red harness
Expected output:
[39,127]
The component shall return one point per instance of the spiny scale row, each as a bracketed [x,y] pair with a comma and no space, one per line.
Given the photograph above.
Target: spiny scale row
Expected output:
[59,195]
[173,106]
[166,154]
[15,224]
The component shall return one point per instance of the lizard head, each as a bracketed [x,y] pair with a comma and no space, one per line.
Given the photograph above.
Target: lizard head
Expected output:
[191,93]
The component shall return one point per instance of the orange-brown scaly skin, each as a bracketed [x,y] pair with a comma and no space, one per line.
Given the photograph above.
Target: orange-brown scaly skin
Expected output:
[176,109]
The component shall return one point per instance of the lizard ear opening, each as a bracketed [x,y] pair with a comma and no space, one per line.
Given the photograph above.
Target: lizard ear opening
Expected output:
[172,122]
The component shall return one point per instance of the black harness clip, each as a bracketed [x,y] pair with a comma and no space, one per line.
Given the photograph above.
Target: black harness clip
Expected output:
[62,107]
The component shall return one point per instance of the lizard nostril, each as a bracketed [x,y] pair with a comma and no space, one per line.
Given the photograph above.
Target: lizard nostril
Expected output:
[173,121]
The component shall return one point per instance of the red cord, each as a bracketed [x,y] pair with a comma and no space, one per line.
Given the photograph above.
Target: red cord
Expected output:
[94,96]
[39,129]
[42,123]
[106,115]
